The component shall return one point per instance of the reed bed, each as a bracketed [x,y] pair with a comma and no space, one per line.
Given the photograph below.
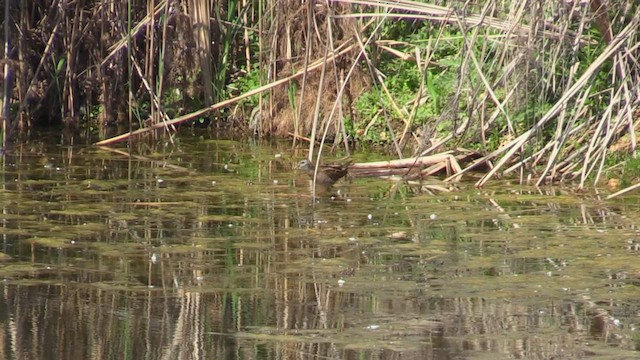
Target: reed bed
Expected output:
[543,90]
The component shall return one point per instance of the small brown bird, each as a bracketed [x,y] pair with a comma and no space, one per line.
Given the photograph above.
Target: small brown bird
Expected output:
[327,174]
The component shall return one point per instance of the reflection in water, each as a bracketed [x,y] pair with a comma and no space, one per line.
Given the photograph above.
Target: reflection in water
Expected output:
[216,250]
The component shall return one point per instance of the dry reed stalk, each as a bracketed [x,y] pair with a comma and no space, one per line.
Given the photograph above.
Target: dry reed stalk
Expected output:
[608,52]
[512,28]
[7,79]
[149,73]
[130,65]
[379,80]
[299,106]
[164,38]
[140,26]
[563,132]
[441,14]
[429,53]
[624,191]
[340,81]
[155,100]
[199,14]
[34,78]
[316,115]
[337,104]
[317,64]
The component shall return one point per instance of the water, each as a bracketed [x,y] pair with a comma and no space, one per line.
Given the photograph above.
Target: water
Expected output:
[215,249]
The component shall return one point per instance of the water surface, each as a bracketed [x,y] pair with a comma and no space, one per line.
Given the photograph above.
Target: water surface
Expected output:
[216,249]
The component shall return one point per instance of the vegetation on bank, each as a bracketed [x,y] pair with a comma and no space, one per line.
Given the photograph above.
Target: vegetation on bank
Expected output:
[546,90]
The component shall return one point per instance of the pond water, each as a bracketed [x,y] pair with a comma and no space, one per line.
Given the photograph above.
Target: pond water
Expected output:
[215,249]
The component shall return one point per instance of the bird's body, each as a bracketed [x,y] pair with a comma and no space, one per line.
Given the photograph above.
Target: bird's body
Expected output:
[327,174]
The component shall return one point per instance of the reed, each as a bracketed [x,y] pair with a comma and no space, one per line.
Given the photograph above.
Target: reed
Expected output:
[544,89]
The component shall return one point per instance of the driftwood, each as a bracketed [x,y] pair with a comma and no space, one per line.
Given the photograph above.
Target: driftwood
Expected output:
[446,163]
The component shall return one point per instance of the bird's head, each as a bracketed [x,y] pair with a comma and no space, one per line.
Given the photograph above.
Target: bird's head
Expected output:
[305,165]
